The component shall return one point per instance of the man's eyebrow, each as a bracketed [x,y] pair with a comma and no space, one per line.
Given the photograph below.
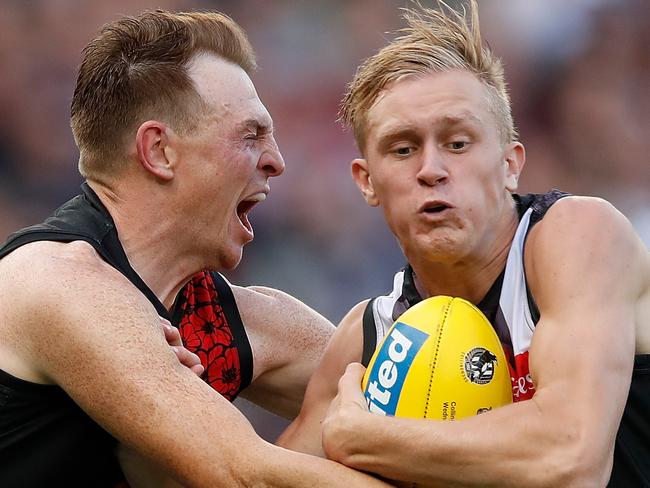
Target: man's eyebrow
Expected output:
[458,119]
[397,131]
[263,125]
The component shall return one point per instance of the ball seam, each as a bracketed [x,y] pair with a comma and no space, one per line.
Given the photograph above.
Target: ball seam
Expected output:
[434,359]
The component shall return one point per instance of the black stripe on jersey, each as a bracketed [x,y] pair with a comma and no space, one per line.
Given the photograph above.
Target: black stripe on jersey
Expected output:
[369,333]
[409,290]
[229,305]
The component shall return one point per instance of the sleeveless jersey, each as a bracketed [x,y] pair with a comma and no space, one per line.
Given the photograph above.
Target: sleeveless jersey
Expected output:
[511,309]
[45,438]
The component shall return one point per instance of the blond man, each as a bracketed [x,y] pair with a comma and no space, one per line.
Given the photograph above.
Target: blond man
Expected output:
[176,148]
[564,280]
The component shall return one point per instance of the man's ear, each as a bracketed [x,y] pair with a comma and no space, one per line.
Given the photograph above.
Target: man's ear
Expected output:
[152,141]
[363,180]
[514,158]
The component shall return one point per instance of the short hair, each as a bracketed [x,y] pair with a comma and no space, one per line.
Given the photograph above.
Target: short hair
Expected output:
[136,69]
[434,41]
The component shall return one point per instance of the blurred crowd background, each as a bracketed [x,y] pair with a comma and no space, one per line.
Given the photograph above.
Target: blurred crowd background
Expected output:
[578,70]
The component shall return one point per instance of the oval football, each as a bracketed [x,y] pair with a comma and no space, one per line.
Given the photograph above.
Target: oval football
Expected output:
[441,360]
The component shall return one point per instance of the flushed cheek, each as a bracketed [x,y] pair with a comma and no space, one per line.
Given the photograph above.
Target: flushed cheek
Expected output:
[395,220]
[474,220]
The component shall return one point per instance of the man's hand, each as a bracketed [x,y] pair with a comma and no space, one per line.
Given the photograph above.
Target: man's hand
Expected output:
[186,357]
[346,410]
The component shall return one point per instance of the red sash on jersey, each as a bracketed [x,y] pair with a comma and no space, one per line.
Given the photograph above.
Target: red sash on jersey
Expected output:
[523,387]
[205,331]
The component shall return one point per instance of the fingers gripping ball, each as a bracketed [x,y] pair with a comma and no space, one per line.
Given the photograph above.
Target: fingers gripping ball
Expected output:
[440,360]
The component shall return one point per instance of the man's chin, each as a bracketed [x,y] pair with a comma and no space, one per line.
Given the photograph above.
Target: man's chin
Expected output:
[231,259]
[440,244]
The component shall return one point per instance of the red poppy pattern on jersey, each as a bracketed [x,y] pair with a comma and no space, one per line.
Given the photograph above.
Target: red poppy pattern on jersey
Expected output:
[205,331]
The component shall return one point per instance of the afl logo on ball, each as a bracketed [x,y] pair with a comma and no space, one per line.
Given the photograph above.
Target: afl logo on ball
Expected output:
[479,365]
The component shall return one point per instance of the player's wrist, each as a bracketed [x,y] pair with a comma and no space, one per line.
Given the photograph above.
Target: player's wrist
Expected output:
[345,431]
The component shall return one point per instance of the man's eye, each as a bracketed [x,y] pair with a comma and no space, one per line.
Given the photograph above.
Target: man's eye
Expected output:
[403,151]
[457,145]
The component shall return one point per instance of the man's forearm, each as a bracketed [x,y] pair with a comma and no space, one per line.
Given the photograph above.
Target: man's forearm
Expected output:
[272,467]
[295,469]
[511,446]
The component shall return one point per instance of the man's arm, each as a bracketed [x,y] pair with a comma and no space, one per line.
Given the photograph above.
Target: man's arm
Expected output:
[97,337]
[346,346]
[587,270]
[287,339]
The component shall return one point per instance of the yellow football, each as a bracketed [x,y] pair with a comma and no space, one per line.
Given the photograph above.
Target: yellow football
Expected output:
[441,360]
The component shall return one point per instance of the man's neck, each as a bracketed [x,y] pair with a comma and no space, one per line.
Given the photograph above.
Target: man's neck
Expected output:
[150,242]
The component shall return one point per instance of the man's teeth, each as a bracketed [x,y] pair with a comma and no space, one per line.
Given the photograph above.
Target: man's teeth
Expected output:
[258,197]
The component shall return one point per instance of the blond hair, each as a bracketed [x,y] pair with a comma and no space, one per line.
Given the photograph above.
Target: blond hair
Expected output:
[137,69]
[434,41]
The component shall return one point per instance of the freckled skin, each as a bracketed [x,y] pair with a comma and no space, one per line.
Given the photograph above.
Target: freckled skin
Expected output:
[68,318]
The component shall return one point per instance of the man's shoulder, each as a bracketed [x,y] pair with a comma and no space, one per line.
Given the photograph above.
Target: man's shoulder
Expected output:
[50,274]
[256,294]
[589,229]
[279,324]
[58,259]
[41,285]
[264,299]
[261,305]
[575,216]
[579,205]
[587,216]
[354,317]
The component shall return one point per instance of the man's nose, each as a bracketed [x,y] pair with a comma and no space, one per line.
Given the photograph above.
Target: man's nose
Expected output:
[433,167]
[272,162]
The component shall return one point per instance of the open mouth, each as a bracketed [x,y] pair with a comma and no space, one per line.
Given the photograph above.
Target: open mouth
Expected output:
[436,208]
[245,206]
[242,212]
